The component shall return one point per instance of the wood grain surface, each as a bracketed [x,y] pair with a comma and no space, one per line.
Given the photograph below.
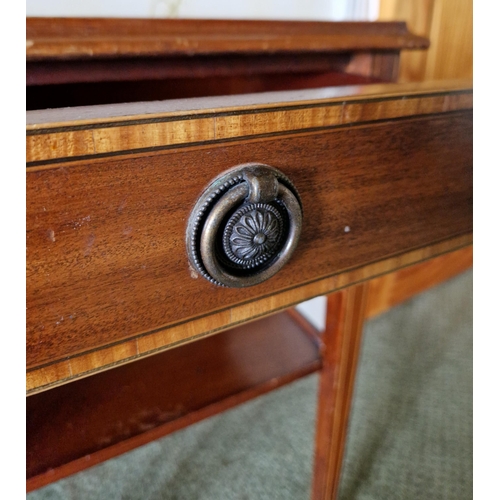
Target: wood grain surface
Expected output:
[342,340]
[41,121]
[448,25]
[120,409]
[107,276]
[166,59]
[64,135]
[106,258]
[418,14]
[394,288]
[51,375]
[80,38]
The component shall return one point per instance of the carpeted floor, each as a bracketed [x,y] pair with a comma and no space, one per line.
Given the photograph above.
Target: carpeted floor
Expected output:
[410,435]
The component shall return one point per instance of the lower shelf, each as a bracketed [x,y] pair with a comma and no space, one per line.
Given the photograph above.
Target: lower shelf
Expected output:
[78,425]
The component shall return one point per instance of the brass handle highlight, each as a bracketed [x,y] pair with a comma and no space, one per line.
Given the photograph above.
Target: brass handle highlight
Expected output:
[245,226]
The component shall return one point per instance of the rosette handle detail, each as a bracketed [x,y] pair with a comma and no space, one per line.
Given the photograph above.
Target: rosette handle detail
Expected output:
[245,226]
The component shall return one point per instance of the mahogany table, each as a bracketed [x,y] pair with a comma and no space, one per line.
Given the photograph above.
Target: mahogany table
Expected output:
[362,186]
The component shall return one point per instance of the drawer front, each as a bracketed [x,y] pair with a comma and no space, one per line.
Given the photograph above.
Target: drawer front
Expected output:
[108,277]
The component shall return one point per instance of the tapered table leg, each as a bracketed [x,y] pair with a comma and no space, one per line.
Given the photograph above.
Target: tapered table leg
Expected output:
[342,339]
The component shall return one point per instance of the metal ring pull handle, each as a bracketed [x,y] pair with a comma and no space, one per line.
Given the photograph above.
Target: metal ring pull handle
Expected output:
[245,226]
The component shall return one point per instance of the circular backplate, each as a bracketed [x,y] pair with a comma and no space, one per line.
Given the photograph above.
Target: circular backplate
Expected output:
[245,226]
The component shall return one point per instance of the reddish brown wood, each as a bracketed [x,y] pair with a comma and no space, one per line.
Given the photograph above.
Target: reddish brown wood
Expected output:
[91,38]
[105,243]
[112,412]
[96,50]
[342,339]
[382,65]
[426,98]
[106,260]
[109,92]
[394,288]
[212,66]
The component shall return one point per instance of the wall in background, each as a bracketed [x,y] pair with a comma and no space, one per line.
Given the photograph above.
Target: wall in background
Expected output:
[321,10]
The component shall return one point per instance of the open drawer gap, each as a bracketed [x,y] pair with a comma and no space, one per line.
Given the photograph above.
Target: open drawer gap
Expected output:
[114,92]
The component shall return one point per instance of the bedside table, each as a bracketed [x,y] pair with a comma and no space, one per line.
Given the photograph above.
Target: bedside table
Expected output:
[192,178]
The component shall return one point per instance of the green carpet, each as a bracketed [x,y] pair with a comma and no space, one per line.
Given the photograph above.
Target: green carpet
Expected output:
[410,435]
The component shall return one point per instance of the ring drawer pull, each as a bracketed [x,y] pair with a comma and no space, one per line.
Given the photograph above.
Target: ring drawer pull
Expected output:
[245,226]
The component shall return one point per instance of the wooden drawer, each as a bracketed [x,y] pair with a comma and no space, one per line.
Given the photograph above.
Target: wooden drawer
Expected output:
[382,170]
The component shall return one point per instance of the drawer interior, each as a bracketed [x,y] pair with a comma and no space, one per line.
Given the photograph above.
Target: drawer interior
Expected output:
[75,62]
[76,83]
[113,92]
